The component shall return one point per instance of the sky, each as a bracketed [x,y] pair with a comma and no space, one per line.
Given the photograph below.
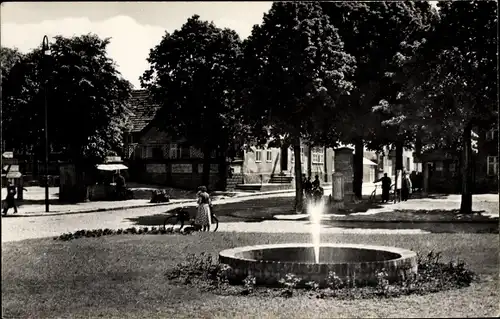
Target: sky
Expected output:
[134,27]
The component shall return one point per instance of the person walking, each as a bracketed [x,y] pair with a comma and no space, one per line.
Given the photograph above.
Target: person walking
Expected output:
[386,187]
[10,200]
[203,215]
[120,185]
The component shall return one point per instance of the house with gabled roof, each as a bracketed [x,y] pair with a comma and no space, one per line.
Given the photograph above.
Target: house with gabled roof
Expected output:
[154,157]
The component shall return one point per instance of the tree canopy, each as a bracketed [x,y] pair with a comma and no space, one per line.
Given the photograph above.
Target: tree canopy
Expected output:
[86,98]
[450,79]
[295,70]
[192,77]
[372,33]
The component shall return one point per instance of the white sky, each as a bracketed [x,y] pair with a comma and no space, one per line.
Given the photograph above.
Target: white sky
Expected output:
[135,27]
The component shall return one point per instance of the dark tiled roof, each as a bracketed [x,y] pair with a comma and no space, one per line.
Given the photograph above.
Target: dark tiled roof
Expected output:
[142,111]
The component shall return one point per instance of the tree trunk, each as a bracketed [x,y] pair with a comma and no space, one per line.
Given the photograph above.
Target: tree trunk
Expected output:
[399,168]
[466,203]
[357,183]
[309,160]
[205,179]
[223,169]
[298,176]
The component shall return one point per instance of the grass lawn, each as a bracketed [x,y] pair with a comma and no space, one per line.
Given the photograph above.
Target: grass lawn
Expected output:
[124,277]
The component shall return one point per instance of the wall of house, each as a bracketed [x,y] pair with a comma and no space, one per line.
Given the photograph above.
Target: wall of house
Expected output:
[487,145]
[261,171]
[256,171]
[185,174]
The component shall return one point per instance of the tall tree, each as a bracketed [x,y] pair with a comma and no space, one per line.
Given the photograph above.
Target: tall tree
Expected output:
[9,58]
[192,77]
[295,69]
[86,98]
[452,77]
[372,33]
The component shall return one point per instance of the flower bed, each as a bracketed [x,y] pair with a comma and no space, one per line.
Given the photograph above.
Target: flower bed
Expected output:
[132,231]
[205,272]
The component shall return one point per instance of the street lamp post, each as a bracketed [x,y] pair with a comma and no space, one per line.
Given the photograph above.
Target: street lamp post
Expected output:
[46,52]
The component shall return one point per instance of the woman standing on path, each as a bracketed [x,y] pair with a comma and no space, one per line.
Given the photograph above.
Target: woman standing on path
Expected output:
[203,216]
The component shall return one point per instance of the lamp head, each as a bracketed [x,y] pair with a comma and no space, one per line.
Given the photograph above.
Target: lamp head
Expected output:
[45,46]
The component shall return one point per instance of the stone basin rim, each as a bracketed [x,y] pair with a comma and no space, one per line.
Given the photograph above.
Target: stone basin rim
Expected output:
[231,253]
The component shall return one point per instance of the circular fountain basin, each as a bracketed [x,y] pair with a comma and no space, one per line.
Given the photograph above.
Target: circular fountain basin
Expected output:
[360,263]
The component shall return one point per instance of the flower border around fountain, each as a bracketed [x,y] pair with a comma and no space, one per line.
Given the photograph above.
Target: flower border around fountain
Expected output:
[313,262]
[254,261]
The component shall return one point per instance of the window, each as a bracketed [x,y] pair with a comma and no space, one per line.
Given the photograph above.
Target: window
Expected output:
[491,134]
[292,157]
[302,155]
[317,155]
[157,153]
[195,152]
[408,168]
[258,156]
[269,156]
[439,166]
[173,151]
[372,174]
[492,168]
[185,152]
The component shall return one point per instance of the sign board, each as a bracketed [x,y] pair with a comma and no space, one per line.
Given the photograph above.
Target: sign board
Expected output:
[13,175]
[182,168]
[156,168]
[8,154]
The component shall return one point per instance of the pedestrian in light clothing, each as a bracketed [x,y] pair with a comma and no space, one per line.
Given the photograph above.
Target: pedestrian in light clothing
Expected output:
[405,187]
[203,215]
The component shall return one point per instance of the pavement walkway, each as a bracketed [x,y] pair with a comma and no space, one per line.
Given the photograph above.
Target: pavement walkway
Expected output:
[15,229]
[37,210]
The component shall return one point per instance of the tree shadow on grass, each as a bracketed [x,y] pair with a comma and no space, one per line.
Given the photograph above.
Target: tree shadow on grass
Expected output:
[432,227]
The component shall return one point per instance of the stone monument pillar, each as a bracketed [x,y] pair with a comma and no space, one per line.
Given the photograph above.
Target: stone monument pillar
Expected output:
[337,190]
[344,165]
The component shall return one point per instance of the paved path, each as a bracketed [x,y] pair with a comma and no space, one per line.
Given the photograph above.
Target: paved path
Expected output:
[35,210]
[14,229]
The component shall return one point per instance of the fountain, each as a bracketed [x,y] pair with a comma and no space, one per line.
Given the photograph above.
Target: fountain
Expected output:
[315,210]
[314,261]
